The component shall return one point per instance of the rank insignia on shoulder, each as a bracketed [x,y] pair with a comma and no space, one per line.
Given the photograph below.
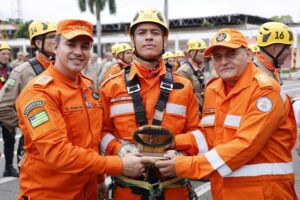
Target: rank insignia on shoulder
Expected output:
[43,80]
[32,105]
[11,82]
[263,78]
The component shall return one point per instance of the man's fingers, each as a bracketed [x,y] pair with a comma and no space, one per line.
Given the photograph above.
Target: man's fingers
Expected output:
[138,154]
[161,164]
[146,160]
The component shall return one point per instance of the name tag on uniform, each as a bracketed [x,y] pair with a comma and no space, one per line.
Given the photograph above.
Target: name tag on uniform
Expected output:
[208,110]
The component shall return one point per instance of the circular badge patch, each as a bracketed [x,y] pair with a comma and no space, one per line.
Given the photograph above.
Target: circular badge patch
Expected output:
[221,36]
[264,104]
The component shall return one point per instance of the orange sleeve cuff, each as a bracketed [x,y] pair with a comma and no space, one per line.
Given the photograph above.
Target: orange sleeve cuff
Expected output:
[114,165]
[113,147]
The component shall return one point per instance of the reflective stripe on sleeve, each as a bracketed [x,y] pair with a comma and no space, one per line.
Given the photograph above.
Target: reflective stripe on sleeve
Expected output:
[105,141]
[121,109]
[176,109]
[201,142]
[208,120]
[214,159]
[232,120]
[263,169]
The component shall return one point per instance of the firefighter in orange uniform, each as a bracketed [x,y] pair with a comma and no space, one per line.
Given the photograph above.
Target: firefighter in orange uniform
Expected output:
[61,117]
[124,56]
[275,42]
[250,129]
[148,92]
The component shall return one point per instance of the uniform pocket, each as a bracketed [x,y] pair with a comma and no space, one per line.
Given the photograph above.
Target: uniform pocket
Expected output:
[244,192]
[75,125]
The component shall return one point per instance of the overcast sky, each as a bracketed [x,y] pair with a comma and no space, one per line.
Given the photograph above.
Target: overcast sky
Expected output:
[55,10]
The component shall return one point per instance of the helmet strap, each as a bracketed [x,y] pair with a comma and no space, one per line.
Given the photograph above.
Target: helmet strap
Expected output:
[194,58]
[42,50]
[274,58]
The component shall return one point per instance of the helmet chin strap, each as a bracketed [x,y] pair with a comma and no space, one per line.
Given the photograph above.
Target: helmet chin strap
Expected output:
[42,50]
[275,59]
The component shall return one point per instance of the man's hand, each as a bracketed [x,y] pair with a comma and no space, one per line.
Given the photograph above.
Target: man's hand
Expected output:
[167,167]
[102,191]
[134,164]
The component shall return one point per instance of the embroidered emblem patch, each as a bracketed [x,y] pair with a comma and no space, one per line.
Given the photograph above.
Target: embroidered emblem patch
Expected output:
[264,104]
[33,105]
[38,118]
[220,37]
[11,82]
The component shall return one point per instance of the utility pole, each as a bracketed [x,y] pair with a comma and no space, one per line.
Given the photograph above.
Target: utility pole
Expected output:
[166,11]
[19,9]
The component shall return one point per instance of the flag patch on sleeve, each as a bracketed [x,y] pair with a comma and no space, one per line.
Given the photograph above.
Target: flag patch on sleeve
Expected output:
[38,118]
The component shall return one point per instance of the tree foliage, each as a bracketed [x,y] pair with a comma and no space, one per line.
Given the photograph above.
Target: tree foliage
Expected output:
[286,19]
[95,7]
[22,31]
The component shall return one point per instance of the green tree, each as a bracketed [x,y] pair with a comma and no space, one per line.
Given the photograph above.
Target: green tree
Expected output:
[96,6]
[286,19]
[22,31]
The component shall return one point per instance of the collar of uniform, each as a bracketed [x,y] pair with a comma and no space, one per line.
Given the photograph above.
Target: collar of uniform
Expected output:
[267,63]
[45,62]
[62,78]
[135,69]
[122,63]
[244,82]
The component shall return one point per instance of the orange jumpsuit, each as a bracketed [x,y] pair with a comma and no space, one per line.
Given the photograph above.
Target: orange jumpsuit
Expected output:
[180,116]
[251,132]
[116,68]
[61,123]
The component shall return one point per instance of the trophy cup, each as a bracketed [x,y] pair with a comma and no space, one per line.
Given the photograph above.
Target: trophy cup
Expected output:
[153,140]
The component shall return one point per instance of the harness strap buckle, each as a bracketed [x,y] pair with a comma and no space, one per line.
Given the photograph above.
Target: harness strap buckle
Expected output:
[133,88]
[166,85]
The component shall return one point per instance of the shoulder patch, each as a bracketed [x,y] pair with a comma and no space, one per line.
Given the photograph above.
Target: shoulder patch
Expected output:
[264,80]
[11,81]
[38,118]
[43,80]
[32,105]
[264,104]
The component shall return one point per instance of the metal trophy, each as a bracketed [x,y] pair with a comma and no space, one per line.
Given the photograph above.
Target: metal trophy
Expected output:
[152,140]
